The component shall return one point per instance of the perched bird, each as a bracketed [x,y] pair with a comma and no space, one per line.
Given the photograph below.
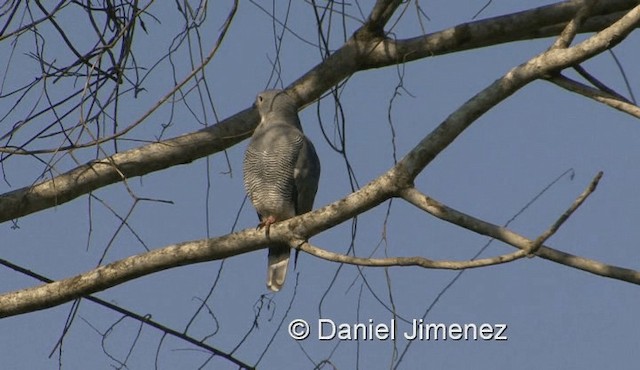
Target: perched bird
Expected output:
[281,172]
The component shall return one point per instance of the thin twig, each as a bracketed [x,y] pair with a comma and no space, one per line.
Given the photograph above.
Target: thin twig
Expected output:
[535,246]
[407,261]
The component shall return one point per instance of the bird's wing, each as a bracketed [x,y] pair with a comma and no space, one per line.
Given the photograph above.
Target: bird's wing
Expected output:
[306,176]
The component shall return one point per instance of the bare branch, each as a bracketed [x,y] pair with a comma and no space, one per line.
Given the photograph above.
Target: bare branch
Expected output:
[541,66]
[406,261]
[135,162]
[540,22]
[571,30]
[101,278]
[179,85]
[615,101]
[596,82]
[453,216]
[450,265]
[48,15]
[565,216]
[380,15]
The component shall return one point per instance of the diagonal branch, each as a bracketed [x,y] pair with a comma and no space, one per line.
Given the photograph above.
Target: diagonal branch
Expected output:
[615,101]
[548,62]
[571,29]
[382,11]
[535,245]
[453,216]
[131,163]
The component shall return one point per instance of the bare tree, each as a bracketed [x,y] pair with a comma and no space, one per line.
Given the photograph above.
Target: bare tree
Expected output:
[101,109]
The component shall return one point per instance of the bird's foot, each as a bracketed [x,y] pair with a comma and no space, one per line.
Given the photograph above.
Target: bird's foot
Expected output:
[266,223]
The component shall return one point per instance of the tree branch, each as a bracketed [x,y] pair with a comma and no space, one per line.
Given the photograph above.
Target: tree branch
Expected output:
[533,248]
[541,66]
[103,277]
[413,195]
[407,261]
[615,101]
[146,319]
[453,216]
[541,22]
[380,14]
[571,29]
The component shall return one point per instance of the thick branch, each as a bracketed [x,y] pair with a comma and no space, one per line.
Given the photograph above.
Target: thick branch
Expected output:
[101,278]
[541,22]
[135,162]
[146,319]
[104,277]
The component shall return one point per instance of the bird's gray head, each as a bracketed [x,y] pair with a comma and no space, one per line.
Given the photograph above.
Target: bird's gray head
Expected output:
[275,104]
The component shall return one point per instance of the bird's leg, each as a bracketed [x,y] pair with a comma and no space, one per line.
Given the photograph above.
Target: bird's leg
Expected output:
[266,223]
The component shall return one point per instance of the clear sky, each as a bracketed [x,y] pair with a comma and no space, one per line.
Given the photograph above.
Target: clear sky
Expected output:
[555,316]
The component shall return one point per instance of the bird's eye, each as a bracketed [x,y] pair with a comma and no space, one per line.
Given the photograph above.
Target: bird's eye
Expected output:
[260,98]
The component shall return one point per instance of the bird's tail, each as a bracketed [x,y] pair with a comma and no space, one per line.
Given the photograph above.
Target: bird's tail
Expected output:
[278,261]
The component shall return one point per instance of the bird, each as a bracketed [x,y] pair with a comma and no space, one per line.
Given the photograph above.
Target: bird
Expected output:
[281,171]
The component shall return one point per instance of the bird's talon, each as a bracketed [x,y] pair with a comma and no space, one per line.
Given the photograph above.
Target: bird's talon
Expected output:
[266,223]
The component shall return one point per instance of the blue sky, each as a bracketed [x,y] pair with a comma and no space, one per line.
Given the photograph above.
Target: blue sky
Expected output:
[556,317]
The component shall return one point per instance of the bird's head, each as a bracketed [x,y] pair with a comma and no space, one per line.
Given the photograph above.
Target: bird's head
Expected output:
[275,102]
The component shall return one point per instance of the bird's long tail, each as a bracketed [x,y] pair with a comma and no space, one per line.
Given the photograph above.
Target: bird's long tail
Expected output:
[278,262]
